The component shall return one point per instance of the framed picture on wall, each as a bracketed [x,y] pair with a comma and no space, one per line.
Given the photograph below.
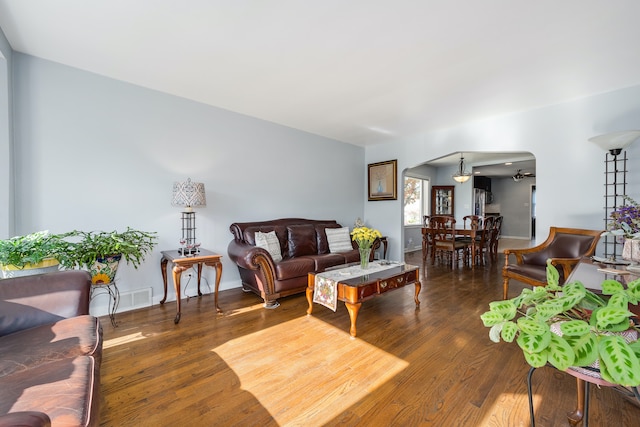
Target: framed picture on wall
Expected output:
[383,183]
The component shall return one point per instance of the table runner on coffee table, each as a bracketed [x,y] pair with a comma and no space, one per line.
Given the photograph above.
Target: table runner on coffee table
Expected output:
[325,288]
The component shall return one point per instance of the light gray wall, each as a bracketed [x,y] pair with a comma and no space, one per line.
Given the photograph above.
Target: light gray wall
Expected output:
[513,201]
[570,169]
[96,153]
[6,170]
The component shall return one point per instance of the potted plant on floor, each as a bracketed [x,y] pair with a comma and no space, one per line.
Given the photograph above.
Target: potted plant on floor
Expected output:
[100,251]
[570,326]
[35,253]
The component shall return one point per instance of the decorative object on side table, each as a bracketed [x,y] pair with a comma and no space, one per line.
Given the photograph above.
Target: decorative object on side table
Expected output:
[625,224]
[35,253]
[364,237]
[571,327]
[189,195]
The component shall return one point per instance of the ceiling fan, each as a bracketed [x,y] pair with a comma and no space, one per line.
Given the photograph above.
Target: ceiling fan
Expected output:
[519,176]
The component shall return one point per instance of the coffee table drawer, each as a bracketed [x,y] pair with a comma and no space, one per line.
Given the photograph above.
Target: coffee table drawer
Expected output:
[397,281]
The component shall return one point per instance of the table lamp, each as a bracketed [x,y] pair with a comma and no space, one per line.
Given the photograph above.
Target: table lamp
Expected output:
[189,195]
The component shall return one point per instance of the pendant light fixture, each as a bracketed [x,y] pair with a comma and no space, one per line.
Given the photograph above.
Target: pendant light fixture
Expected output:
[461,175]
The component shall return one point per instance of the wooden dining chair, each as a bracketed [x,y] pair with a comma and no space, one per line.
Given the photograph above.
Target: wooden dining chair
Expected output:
[481,249]
[495,236]
[443,240]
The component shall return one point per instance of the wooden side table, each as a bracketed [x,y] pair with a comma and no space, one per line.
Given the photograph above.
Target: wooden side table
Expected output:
[183,262]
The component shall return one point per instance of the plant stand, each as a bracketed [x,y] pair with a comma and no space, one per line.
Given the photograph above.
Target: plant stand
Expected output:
[114,297]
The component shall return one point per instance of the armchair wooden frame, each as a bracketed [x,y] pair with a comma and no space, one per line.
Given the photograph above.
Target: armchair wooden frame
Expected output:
[530,268]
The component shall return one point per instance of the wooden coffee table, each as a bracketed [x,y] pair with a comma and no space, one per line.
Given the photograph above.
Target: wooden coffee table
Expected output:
[358,289]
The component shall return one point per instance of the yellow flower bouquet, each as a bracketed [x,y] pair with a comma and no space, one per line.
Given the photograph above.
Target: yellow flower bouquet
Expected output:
[364,237]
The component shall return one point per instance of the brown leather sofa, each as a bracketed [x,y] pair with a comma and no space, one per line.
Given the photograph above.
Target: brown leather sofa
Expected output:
[304,248]
[50,351]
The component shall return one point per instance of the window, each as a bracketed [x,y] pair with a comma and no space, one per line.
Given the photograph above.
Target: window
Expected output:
[415,199]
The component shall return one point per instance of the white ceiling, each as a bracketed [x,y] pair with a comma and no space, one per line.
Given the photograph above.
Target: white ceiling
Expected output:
[359,71]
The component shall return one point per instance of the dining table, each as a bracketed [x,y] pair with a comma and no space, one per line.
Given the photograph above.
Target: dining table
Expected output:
[469,233]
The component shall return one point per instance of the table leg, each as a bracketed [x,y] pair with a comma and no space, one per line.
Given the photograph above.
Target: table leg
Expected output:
[163,267]
[199,277]
[177,273]
[418,287]
[310,299]
[576,416]
[353,309]
[218,267]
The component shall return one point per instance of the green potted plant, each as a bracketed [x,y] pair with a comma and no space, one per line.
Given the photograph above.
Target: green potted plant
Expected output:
[571,326]
[35,253]
[100,251]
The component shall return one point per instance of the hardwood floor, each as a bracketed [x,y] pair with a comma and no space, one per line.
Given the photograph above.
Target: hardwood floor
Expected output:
[432,366]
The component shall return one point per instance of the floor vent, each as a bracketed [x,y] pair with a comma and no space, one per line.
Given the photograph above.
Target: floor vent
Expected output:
[138,298]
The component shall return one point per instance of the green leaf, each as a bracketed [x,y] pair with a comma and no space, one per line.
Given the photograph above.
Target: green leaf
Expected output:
[610,316]
[633,290]
[553,277]
[635,347]
[584,347]
[549,309]
[537,360]
[534,343]
[507,309]
[574,289]
[491,318]
[574,328]
[619,300]
[532,327]
[509,331]
[619,360]
[561,354]
[610,287]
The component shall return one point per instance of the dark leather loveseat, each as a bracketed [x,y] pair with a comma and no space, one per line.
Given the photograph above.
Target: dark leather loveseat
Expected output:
[304,249]
[50,351]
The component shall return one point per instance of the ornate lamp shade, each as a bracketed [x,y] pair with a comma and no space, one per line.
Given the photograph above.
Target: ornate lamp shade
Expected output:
[189,194]
[461,175]
[615,142]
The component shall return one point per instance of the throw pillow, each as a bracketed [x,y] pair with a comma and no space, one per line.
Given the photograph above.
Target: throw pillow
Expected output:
[270,242]
[339,239]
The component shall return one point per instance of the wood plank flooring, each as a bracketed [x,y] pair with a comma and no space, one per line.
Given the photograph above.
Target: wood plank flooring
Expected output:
[432,366]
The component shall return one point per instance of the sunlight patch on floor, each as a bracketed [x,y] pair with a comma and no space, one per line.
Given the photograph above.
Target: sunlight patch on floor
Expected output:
[114,342]
[281,366]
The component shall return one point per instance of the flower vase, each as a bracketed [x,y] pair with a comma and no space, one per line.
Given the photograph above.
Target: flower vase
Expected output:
[364,257]
[631,250]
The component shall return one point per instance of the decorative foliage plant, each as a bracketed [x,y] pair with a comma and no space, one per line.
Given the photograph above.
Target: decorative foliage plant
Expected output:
[132,244]
[33,248]
[590,326]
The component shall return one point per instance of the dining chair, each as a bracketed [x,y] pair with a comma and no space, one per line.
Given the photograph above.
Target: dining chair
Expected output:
[426,237]
[443,240]
[482,244]
[495,236]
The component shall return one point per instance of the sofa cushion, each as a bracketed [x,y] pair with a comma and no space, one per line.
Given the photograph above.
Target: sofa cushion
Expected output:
[294,267]
[321,236]
[324,261]
[301,240]
[339,240]
[43,344]
[66,390]
[270,242]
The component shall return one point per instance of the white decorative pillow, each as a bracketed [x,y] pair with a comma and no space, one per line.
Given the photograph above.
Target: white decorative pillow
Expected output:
[339,239]
[270,242]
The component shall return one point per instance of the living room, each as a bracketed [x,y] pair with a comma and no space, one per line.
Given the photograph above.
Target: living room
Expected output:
[82,148]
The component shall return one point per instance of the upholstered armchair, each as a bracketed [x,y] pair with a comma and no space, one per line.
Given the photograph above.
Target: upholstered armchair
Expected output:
[564,246]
